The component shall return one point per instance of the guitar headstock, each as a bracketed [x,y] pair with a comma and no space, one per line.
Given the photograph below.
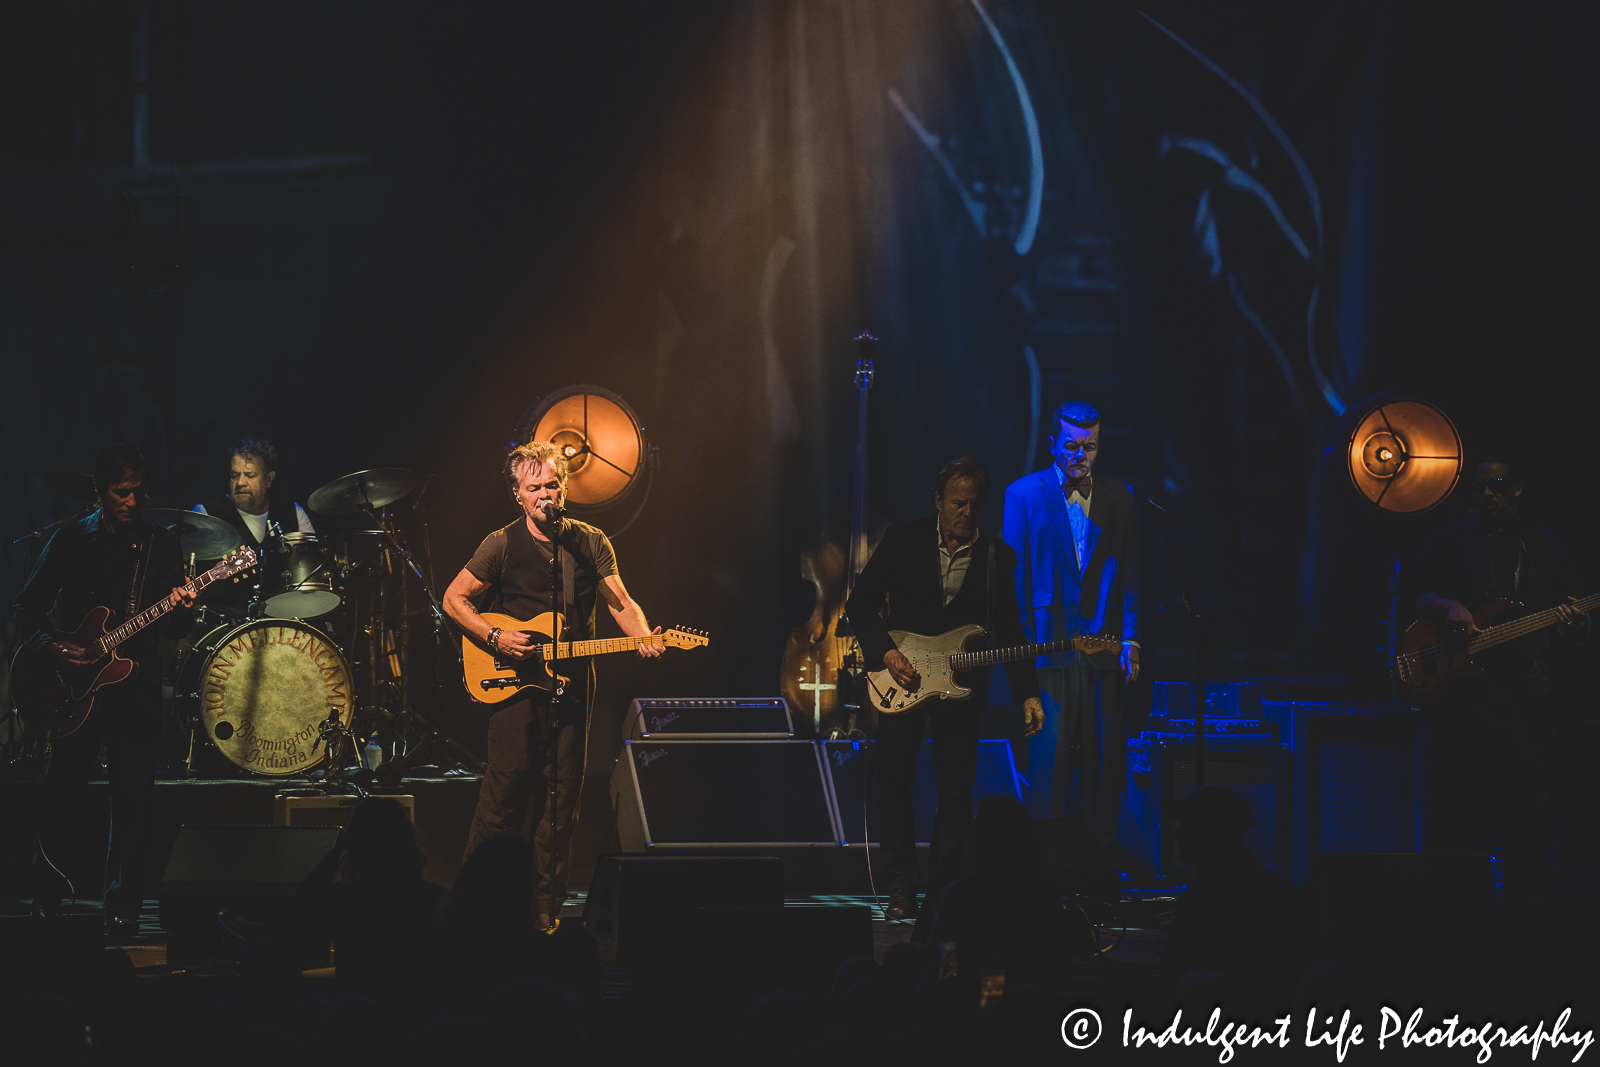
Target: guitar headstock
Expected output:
[1092,643]
[683,637]
[237,561]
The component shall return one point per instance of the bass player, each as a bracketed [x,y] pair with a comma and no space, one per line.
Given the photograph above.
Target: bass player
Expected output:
[529,738]
[111,557]
[934,574]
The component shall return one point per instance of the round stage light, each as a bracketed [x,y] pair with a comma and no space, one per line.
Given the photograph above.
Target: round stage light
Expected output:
[608,458]
[1404,456]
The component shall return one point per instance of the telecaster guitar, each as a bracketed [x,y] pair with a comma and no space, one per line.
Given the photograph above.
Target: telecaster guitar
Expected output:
[1428,656]
[56,699]
[937,659]
[493,679]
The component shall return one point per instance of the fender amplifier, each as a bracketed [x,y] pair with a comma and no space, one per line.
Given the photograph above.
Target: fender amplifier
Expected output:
[730,718]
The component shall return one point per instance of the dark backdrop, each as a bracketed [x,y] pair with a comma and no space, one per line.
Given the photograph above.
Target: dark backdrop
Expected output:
[374,233]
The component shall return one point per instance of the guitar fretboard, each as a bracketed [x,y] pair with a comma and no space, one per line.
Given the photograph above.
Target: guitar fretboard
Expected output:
[598,647]
[225,569]
[968,660]
[1507,631]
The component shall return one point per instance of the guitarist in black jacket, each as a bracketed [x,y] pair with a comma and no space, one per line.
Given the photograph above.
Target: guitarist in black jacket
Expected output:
[927,577]
[113,558]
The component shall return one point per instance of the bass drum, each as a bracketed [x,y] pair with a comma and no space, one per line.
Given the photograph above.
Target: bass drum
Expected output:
[264,688]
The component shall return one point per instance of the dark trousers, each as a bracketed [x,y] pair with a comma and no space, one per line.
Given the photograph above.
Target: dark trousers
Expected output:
[126,719]
[522,741]
[955,727]
[1078,764]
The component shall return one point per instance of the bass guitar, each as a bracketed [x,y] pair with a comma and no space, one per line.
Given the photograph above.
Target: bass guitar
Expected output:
[492,679]
[56,699]
[937,659]
[1429,657]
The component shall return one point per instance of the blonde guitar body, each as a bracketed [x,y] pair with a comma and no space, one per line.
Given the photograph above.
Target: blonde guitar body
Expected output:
[938,659]
[493,679]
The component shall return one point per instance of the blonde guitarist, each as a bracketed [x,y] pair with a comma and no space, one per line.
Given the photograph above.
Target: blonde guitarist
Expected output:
[511,574]
[927,577]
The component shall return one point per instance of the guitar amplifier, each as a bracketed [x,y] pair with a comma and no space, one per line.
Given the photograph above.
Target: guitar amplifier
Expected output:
[690,718]
[672,795]
[1358,779]
[328,811]
[1261,773]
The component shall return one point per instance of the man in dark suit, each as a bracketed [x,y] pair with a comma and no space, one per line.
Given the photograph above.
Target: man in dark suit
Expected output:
[1077,540]
[932,584]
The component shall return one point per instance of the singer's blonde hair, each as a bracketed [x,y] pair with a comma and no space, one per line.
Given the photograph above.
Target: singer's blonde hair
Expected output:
[535,452]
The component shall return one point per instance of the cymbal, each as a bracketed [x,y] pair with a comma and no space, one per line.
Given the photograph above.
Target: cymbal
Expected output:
[202,536]
[77,486]
[374,488]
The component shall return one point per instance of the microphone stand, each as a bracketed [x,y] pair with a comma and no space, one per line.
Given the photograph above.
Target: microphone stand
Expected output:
[41,531]
[553,733]
[1199,651]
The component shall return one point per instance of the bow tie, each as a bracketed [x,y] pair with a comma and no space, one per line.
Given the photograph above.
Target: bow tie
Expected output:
[1081,486]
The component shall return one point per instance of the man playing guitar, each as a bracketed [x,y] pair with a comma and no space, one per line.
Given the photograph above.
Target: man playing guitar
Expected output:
[511,574]
[110,558]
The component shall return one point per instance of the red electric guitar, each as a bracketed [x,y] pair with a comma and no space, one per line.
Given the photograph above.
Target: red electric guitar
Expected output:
[1429,656]
[55,698]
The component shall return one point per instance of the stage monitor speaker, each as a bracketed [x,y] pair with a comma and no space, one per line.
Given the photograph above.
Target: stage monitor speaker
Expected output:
[635,901]
[1073,861]
[672,795]
[1260,772]
[226,884]
[328,811]
[728,718]
[1358,780]
[849,761]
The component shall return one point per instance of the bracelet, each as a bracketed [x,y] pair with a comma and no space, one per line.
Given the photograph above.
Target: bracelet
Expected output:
[494,639]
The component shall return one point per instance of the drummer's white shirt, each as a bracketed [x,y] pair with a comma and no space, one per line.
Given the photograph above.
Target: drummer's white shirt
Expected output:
[258,523]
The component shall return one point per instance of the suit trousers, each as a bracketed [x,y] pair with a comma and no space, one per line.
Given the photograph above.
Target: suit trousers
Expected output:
[126,719]
[1078,764]
[530,749]
[955,725]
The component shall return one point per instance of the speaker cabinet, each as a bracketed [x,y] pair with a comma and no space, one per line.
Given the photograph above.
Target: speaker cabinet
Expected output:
[225,884]
[671,795]
[1261,773]
[1358,780]
[728,718]
[852,767]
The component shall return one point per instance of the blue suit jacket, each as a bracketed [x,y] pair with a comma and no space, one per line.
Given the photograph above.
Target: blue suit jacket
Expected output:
[1058,600]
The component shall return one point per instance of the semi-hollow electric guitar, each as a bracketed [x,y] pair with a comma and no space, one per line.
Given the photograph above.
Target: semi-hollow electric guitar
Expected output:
[937,659]
[492,679]
[1429,656]
[55,698]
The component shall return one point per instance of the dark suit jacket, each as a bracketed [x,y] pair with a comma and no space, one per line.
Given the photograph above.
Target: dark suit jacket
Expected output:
[904,574]
[1059,600]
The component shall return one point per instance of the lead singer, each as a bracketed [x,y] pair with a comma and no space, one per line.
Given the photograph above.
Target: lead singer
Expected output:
[530,739]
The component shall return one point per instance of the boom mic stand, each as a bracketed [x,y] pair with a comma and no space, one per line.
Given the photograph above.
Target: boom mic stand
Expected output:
[1199,650]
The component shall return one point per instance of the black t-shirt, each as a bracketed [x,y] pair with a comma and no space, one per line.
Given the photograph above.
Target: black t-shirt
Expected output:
[517,568]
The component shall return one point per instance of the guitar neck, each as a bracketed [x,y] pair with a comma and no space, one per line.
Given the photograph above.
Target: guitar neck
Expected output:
[598,647]
[155,611]
[1508,631]
[968,660]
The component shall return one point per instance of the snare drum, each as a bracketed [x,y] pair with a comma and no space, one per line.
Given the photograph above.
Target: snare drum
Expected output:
[301,581]
[264,688]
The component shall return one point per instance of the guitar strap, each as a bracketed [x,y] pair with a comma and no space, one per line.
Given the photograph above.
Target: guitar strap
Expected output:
[138,575]
[988,588]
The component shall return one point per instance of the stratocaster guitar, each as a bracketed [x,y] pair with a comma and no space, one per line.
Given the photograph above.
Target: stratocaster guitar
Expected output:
[55,699]
[937,659]
[1429,656]
[493,679]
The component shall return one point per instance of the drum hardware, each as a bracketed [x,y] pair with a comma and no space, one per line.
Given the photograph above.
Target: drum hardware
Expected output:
[302,585]
[335,736]
[199,535]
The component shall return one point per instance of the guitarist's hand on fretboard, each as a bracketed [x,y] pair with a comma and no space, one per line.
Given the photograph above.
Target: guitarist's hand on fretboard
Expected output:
[1568,614]
[183,597]
[648,650]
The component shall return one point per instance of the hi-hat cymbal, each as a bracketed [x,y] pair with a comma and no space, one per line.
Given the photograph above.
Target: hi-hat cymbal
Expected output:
[200,535]
[353,492]
[77,486]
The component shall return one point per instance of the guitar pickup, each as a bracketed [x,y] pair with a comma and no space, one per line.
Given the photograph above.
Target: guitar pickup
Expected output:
[500,683]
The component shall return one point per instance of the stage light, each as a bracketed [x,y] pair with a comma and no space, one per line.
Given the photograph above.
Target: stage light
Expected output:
[609,462]
[1403,455]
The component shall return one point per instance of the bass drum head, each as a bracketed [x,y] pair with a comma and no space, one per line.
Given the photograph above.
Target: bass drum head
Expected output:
[265,687]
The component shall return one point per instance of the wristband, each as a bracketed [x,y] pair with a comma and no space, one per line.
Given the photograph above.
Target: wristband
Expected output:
[494,639]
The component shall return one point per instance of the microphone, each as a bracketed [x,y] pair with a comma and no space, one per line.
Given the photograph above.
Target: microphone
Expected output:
[553,510]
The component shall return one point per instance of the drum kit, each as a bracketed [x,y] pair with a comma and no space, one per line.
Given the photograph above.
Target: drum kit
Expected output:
[280,678]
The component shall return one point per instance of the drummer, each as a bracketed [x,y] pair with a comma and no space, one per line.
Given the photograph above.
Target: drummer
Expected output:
[248,506]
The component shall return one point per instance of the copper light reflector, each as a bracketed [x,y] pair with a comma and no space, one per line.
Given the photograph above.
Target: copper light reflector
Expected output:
[1404,456]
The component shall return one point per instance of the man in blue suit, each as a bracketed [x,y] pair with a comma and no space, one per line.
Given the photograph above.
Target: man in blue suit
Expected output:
[1077,543]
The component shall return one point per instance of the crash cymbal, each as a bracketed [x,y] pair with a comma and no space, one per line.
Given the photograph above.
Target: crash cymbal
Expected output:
[374,488]
[77,486]
[200,535]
